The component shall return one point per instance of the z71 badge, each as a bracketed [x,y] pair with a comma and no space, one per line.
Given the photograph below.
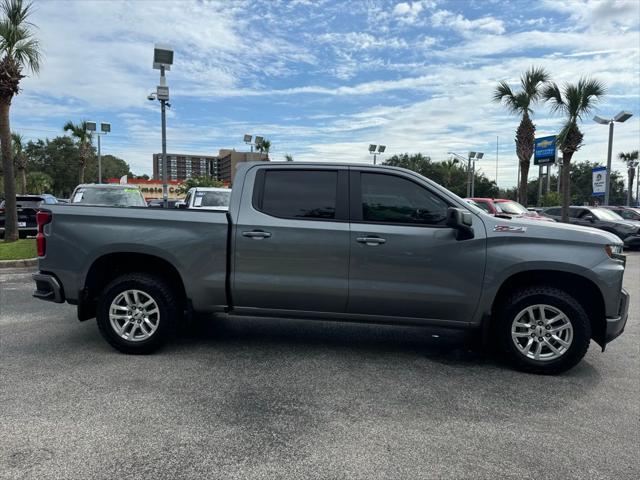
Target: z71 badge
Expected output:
[509,229]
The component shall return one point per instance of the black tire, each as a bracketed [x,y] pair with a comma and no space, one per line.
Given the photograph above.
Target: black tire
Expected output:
[554,297]
[154,288]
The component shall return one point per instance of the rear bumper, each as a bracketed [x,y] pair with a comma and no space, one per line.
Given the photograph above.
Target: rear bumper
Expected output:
[48,288]
[615,325]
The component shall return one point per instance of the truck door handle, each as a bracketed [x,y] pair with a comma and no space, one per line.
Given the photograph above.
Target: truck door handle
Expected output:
[257,234]
[371,240]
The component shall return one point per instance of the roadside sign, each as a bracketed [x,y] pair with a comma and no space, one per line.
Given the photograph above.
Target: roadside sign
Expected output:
[545,150]
[599,180]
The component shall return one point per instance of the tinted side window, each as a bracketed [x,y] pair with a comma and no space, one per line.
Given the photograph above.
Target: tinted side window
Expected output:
[304,194]
[483,206]
[392,199]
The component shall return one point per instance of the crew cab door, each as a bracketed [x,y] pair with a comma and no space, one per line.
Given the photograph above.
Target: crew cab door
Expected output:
[405,262]
[292,240]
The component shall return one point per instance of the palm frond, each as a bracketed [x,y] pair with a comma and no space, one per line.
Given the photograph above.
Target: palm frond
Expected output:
[531,81]
[16,36]
[503,94]
[552,95]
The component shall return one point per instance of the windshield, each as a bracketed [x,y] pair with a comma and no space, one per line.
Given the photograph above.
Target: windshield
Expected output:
[114,197]
[604,214]
[511,207]
[212,199]
[629,214]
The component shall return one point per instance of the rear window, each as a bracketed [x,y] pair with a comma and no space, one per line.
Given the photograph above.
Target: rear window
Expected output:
[113,197]
[212,199]
[552,211]
[302,194]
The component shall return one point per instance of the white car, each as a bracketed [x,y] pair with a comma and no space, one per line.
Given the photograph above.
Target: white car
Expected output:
[207,198]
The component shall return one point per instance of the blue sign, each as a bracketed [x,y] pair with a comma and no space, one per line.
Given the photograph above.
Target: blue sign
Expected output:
[599,180]
[545,150]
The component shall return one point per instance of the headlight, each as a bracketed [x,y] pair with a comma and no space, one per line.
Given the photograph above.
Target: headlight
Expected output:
[613,250]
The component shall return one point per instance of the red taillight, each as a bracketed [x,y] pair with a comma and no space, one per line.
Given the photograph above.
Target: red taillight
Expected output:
[42,218]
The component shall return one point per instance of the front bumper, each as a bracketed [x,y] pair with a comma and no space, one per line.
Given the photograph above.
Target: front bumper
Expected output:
[48,288]
[615,325]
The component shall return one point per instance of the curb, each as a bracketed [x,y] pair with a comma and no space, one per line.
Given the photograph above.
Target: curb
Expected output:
[24,263]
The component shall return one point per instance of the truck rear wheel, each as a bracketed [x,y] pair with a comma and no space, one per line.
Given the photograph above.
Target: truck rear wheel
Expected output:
[543,330]
[136,313]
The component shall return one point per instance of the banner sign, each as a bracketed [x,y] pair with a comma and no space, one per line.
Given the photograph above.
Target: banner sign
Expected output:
[545,150]
[599,180]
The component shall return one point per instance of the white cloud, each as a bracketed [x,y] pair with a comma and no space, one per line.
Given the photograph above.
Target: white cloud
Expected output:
[408,11]
[447,19]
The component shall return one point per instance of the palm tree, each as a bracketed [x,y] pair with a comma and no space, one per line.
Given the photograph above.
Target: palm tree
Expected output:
[449,166]
[39,182]
[631,159]
[19,51]
[574,101]
[83,139]
[19,160]
[264,147]
[531,83]
[288,157]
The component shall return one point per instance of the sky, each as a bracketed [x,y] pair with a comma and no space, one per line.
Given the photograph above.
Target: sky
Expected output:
[324,79]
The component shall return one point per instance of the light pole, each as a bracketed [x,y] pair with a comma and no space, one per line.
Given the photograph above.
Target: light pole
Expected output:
[632,168]
[372,151]
[478,156]
[104,129]
[162,60]
[622,116]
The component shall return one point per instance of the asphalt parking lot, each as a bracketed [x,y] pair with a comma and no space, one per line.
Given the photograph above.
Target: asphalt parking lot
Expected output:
[251,398]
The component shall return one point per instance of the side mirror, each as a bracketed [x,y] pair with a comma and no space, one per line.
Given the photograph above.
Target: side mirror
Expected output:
[461,221]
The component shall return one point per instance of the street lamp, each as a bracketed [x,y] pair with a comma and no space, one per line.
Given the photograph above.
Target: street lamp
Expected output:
[104,129]
[247,139]
[470,173]
[622,116]
[162,60]
[372,151]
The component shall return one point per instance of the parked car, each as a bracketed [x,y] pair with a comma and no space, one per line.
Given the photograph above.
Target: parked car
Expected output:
[339,242]
[159,203]
[602,218]
[27,206]
[207,198]
[628,213]
[108,195]
[505,208]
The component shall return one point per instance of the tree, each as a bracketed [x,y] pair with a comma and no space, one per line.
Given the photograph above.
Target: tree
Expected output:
[449,174]
[112,167]
[58,158]
[531,83]
[288,157]
[19,52]
[192,182]
[83,138]
[631,159]
[574,101]
[264,146]
[19,160]
[38,182]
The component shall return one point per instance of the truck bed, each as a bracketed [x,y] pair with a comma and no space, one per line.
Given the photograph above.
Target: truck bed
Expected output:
[194,242]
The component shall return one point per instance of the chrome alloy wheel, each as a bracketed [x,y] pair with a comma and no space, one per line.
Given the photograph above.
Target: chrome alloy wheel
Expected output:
[134,315]
[542,332]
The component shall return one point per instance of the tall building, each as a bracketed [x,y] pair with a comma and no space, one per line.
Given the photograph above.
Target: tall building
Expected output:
[182,166]
[228,161]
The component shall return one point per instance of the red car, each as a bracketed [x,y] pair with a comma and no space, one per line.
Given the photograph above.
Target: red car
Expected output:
[502,207]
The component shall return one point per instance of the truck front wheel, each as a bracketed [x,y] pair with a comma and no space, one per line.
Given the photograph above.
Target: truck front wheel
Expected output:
[136,312]
[543,330]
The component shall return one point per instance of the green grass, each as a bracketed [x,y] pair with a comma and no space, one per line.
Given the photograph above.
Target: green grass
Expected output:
[18,250]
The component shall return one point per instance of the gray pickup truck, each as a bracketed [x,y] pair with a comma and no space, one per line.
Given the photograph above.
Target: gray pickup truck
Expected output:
[338,242]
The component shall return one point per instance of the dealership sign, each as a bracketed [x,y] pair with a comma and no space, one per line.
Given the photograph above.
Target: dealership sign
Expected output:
[599,180]
[545,150]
